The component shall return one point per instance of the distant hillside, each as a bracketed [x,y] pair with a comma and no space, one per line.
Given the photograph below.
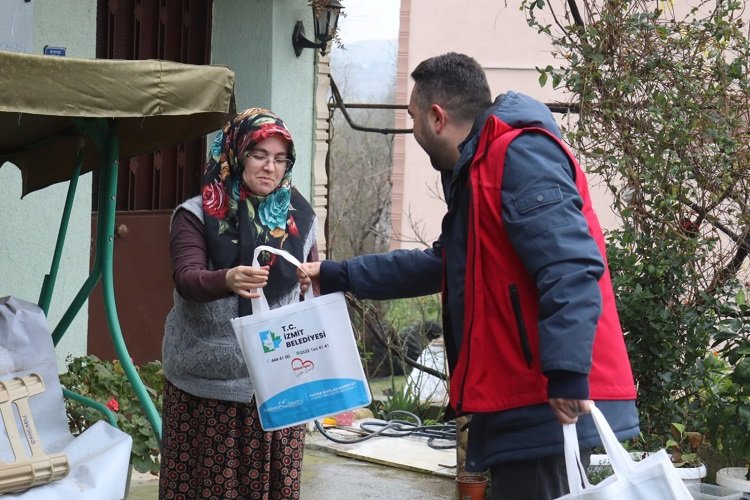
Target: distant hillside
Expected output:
[365,71]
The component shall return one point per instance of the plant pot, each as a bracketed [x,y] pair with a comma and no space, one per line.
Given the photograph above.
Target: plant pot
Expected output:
[691,475]
[705,491]
[471,487]
[734,479]
[602,459]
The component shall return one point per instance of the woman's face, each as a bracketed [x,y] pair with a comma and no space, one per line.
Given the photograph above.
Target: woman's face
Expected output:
[265,165]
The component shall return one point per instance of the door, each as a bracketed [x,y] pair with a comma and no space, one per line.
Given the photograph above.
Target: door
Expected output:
[150,186]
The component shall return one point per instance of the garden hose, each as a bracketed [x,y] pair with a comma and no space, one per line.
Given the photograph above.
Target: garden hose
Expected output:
[440,437]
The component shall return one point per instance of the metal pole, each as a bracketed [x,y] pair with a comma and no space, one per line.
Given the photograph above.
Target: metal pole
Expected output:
[48,285]
[105,249]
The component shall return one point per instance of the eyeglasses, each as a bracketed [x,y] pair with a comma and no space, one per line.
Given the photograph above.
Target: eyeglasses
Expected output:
[264,159]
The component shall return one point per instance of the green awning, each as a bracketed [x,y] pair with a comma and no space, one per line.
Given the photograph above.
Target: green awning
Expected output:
[153,103]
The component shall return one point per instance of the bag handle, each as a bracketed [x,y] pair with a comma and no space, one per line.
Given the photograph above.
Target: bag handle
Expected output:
[577,479]
[260,304]
[621,461]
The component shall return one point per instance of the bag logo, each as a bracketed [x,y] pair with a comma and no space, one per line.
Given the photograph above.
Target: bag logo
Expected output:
[301,367]
[284,405]
[270,340]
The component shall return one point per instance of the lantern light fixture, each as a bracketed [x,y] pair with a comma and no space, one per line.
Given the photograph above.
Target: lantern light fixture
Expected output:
[326,17]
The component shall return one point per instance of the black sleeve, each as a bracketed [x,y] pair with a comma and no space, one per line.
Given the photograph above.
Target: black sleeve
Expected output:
[393,275]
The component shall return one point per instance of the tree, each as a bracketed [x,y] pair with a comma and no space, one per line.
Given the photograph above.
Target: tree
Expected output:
[664,119]
[359,184]
[359,175]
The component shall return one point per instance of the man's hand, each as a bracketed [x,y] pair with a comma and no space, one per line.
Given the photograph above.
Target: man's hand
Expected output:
[567,410]
[244,281]
[309,274]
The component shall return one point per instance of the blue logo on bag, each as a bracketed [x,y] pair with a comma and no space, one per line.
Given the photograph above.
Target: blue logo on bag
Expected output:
[270,340]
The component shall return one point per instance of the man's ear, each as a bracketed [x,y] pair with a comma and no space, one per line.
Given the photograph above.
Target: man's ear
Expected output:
[438,118]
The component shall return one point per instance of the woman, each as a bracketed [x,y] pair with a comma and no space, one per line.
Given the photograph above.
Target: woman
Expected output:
[213,445]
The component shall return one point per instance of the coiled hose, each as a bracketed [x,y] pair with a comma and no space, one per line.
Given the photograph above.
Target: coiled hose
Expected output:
[440,437]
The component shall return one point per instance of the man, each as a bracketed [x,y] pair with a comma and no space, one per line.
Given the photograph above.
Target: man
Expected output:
[530,324]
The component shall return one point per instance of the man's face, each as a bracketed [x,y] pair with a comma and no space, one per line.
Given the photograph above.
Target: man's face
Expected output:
[418,120]
[423,122]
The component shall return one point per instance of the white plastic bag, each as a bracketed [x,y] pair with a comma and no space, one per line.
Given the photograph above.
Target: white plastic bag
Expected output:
[652,478]
[99,457]
[302,358]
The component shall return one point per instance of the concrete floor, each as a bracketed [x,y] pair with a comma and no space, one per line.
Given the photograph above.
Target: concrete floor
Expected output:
[329,476]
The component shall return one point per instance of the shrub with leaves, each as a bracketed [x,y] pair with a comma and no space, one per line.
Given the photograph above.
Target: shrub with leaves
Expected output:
[684,446]
[106,383]
[663,96]
[404,399]
[726,401]
[667,337]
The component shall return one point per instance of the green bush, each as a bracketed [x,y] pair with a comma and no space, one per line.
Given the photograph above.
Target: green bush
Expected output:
[667,335]
[106,382]
[404,399]
[662,99]
[726,400]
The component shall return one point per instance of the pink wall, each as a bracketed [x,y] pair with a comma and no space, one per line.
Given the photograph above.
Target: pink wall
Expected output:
[495,34]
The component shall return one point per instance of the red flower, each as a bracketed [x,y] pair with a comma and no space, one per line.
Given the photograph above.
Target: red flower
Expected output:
[291,227]
[690,228]
[113,405]
[215,201]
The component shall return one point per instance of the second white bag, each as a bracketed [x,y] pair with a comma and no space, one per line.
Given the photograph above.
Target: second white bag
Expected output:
[302,358]
[652,478]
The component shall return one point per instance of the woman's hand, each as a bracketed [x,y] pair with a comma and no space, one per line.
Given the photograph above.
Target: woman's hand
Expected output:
[567,410]
[309,274]
[244,281]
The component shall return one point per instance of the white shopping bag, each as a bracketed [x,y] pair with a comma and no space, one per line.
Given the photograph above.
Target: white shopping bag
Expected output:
[98,458]
[652,478]
[302,358]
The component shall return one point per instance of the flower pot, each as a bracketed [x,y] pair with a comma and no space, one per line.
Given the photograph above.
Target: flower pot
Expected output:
[704,491]
[345,419]
[734,479]
[603,459]
[691,475]
[471,487]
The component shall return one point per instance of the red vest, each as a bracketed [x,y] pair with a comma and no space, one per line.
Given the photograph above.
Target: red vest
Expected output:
[498,366]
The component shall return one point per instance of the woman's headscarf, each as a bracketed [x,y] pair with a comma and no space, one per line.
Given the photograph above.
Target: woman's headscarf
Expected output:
[237,220]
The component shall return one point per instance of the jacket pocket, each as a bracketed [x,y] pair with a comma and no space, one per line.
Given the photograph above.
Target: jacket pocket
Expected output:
[523,337]
[538,198]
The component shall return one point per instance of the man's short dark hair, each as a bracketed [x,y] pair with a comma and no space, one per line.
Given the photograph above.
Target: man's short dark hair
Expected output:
[456,82]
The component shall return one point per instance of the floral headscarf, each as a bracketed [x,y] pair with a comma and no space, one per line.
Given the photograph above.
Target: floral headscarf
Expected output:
[238,220]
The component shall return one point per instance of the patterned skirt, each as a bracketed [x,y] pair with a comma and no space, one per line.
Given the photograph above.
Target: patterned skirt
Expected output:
[217,449]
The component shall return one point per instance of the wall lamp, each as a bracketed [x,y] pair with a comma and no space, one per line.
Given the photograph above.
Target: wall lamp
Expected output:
[326,16]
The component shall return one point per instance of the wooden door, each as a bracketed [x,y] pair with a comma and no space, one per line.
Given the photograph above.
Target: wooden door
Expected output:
[150,186]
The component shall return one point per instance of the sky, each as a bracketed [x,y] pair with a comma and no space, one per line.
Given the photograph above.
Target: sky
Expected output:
[369,20]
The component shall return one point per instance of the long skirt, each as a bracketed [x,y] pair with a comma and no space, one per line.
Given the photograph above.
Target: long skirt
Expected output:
[217,449]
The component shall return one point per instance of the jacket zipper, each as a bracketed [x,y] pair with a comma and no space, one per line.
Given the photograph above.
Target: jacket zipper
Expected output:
[520,326]
[466,335]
